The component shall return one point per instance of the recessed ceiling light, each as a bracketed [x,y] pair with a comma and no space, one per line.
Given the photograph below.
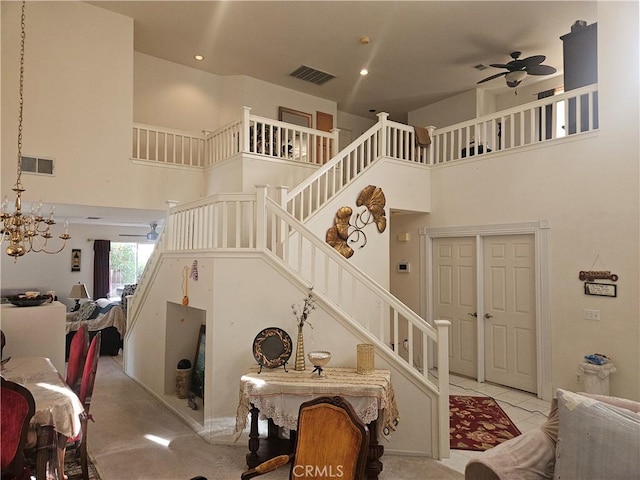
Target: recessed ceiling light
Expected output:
[198,57]
[364,72]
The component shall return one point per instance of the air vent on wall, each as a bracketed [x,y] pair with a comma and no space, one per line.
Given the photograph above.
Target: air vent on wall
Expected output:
[309,74]
[43,166]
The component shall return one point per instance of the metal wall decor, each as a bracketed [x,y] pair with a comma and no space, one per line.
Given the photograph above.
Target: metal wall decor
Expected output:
[344,231]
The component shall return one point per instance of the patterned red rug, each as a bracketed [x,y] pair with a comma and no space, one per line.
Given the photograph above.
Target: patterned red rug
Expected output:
[478,423]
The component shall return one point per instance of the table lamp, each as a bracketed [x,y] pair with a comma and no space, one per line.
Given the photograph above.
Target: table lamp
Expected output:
[78,292]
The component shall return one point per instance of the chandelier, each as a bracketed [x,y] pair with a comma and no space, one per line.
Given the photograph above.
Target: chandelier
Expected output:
[26,233]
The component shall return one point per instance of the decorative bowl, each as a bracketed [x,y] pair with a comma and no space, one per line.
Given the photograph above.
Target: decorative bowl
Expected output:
[319,359]
[24,301]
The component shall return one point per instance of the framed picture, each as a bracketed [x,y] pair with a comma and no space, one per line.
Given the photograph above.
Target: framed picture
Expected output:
[294,116]
[76,258]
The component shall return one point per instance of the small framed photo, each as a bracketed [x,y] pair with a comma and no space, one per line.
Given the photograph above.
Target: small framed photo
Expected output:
[600,289]
[76,259]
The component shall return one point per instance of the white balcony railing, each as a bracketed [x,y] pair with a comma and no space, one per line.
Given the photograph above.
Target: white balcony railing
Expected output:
[248,134]
[533,123]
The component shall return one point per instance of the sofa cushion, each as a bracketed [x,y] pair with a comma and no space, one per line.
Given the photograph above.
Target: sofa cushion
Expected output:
[596,440]
[529,456]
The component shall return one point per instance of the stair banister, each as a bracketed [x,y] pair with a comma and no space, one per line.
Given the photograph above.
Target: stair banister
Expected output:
[442,326]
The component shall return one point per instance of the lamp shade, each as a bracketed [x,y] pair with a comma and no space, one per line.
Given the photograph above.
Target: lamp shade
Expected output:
[79,291]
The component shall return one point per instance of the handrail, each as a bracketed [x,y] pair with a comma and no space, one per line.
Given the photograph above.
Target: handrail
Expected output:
[347,287]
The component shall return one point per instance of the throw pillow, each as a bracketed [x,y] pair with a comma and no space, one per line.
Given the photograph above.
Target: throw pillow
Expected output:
[85,311]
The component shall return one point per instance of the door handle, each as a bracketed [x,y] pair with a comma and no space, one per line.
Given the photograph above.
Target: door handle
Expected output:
[474,314]
[488,316]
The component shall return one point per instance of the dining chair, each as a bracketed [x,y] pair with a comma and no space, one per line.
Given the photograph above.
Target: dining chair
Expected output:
[331,441]
[77,355]
[79,443]
[17,407]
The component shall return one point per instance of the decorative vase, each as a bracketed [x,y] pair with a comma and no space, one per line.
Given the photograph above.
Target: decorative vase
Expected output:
[300,350]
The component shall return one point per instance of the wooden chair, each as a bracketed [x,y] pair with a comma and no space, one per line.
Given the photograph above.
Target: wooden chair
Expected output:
[332,442]
[79,443]
[16,410]
[77,356]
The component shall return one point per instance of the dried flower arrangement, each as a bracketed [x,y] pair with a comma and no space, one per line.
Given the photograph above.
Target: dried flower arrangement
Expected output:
[302,313]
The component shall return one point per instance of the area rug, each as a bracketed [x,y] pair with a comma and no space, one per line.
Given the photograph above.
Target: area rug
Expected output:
[478,423]
[72,467]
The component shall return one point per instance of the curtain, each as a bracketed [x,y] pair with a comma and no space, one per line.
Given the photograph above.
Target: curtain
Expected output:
[101,249]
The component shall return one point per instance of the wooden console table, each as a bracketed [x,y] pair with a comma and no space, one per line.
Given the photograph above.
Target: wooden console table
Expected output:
[277,396]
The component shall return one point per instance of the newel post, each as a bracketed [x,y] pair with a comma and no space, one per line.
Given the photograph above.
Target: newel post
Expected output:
[442,327]
[432,147]
[261,216]
[383,118]
[246,124]
[335,143]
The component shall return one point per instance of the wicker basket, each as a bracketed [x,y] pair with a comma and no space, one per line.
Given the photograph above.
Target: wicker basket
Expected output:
[366,360]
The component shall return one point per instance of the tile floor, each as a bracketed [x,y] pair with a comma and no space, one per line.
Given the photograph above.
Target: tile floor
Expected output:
[126,415]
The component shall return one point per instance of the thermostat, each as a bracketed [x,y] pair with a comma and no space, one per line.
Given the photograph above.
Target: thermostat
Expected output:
[404,267]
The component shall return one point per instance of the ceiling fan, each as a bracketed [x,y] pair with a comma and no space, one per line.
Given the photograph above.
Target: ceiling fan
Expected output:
[518,69]
[151,235]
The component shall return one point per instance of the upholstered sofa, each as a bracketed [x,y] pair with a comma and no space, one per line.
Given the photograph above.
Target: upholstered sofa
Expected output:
[99,316]
[586,436]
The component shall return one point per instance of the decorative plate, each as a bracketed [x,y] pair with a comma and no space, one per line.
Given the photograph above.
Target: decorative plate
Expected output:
[272,347]
[23,301]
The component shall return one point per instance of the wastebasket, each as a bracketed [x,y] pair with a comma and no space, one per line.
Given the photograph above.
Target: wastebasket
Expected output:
[596,377]
[183,382]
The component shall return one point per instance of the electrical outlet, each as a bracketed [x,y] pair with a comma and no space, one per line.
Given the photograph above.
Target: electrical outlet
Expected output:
[591,314]
[578,378]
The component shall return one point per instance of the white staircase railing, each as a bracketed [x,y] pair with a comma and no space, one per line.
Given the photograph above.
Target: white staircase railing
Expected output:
[167,146]
[385,138]
[242,222]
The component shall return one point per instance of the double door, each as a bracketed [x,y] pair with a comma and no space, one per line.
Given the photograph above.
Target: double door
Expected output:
[486,287]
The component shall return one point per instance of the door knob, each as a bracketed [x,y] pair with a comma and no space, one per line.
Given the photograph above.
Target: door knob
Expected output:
[488,316]
[474,314]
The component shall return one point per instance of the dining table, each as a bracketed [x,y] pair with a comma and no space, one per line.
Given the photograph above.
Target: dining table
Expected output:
[58,408]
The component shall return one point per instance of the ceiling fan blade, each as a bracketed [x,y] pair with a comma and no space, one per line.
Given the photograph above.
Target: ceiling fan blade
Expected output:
[531,61]
[492,77]
[540,70]
[500,65]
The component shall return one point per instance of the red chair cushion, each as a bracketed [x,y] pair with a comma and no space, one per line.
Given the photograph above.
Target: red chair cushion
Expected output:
[14,408]
[76,356]
[89,374]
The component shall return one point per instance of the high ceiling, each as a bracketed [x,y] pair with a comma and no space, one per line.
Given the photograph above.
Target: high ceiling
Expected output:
[419,51]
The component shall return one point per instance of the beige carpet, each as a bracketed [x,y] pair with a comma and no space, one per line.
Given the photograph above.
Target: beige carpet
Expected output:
[124,413]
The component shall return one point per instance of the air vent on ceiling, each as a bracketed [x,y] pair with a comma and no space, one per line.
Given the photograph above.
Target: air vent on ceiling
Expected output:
[43,166]
[309,74]
[480,67]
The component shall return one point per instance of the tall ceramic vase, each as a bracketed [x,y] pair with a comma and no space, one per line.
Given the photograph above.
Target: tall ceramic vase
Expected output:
[300,350]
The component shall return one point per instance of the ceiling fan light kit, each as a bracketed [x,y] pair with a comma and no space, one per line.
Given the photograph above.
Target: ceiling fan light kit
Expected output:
[518,69]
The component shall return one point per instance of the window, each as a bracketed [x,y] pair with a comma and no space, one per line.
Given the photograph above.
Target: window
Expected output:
[126,264]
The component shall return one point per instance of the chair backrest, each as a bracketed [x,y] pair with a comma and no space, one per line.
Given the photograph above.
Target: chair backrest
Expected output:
[89,374]
[17,406]
[77,354]
[331,442]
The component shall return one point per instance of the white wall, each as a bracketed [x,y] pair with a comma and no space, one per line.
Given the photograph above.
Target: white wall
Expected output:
[449,111]
[352,126]
[238,307]
[170,95]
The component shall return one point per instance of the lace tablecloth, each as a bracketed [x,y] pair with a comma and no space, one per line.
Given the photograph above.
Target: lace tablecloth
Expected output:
[279,394]
[56,404]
